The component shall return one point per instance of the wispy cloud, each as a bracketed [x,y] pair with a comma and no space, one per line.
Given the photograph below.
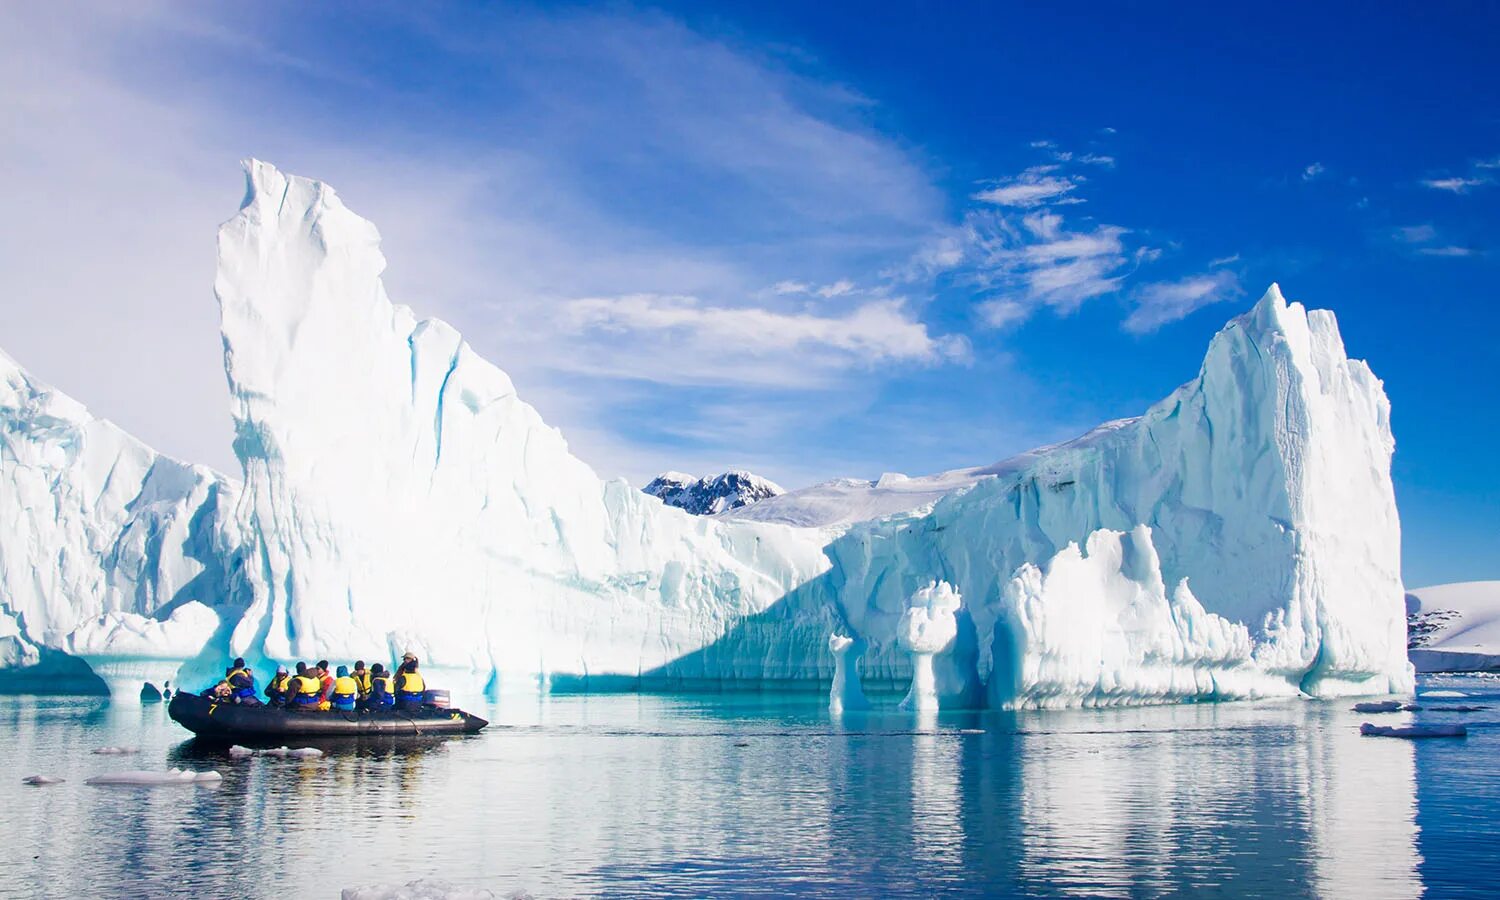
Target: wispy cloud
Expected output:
[1456,184]
[1224,261]
[1425,240]
[1167,301]
[1313,171]
[1034,187]
[748,349]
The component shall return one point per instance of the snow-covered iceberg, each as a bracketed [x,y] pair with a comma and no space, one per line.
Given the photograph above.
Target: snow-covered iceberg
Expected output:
[1240,539]
[109,552]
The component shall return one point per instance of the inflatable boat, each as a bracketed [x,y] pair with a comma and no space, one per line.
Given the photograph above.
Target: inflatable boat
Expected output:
[217,720]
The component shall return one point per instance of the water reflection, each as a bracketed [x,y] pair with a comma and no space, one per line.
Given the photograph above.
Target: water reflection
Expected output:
[655,796]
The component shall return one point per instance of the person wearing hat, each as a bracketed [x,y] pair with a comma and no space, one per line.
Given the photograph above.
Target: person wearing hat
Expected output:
[409,684]
[241,681]
[279,691]
[345,690]
[382,688]
[308,687]
[361,677]
[325,685]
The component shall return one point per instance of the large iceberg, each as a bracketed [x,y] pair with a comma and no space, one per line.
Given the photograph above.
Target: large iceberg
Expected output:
[1238,540]
[110,553]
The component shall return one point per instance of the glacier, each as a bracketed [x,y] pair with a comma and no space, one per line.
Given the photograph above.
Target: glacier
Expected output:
[1238,540]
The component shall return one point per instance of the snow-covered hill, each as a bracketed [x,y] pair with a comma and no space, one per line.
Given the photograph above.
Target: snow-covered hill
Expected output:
[844,501]
[732,490]
[1455,627]
[1239,539]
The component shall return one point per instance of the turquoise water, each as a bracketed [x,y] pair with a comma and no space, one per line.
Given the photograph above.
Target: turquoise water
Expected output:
[732,795]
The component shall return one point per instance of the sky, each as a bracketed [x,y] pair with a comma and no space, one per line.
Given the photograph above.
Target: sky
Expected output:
[809,240]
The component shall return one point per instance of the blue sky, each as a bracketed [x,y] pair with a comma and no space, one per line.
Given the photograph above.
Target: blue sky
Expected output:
[809,240]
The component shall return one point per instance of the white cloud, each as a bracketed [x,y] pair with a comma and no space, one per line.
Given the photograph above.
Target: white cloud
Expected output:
[1167,301]
[1451,251]
[1034,187]
[1313,171]
[124,170]
[1456,184]
[837,289]
[1097,159]
[1224,261]
[882,331]
[791,287]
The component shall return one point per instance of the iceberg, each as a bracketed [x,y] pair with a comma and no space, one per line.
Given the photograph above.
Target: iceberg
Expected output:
[109,552]
[1240,539]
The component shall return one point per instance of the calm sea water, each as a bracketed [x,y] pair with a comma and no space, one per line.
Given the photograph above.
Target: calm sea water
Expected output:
[727,795]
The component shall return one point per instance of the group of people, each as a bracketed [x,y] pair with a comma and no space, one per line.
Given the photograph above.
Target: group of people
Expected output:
[314,688]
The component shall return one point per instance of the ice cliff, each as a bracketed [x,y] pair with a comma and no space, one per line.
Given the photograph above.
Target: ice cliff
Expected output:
[1240,539]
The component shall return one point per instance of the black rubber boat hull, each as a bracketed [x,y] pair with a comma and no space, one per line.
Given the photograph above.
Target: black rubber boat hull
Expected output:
[231,721]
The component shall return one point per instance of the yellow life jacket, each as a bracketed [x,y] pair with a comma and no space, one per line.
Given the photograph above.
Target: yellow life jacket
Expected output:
[281,684]
[363,680]
[308,685]
[386,683]
[345,687]
[410,683]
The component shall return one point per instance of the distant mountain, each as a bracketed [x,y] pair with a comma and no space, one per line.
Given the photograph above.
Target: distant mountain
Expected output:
[712,495]
[1454,627]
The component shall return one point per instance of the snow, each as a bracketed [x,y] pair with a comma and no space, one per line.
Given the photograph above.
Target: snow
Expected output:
[143,778]
[1413,731]
[1455,627]
[1239,539]
[1444,694]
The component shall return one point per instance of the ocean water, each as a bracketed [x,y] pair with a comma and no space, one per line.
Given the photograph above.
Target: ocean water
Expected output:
[749,795]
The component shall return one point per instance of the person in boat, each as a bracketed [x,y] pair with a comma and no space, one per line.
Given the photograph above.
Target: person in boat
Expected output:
[361,677]
[409,684]
[281,689]
[382,689]
[325,681]
[241,681]
[345,690]
[221,691]
[308,687]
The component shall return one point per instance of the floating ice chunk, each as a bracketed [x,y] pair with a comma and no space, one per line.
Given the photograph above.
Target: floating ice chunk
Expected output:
[117,751]
[1457,707]
[1413,731]
[143,778]
[238,752]
[42,779]
[846,693]
[928,626]
[1444,694]
[299,753]
[421,889]
[1384,706]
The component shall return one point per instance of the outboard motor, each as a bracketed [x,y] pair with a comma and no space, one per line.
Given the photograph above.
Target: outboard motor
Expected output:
[437,699]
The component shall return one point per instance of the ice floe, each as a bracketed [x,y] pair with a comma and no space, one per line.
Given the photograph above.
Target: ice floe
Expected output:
[1413,731]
